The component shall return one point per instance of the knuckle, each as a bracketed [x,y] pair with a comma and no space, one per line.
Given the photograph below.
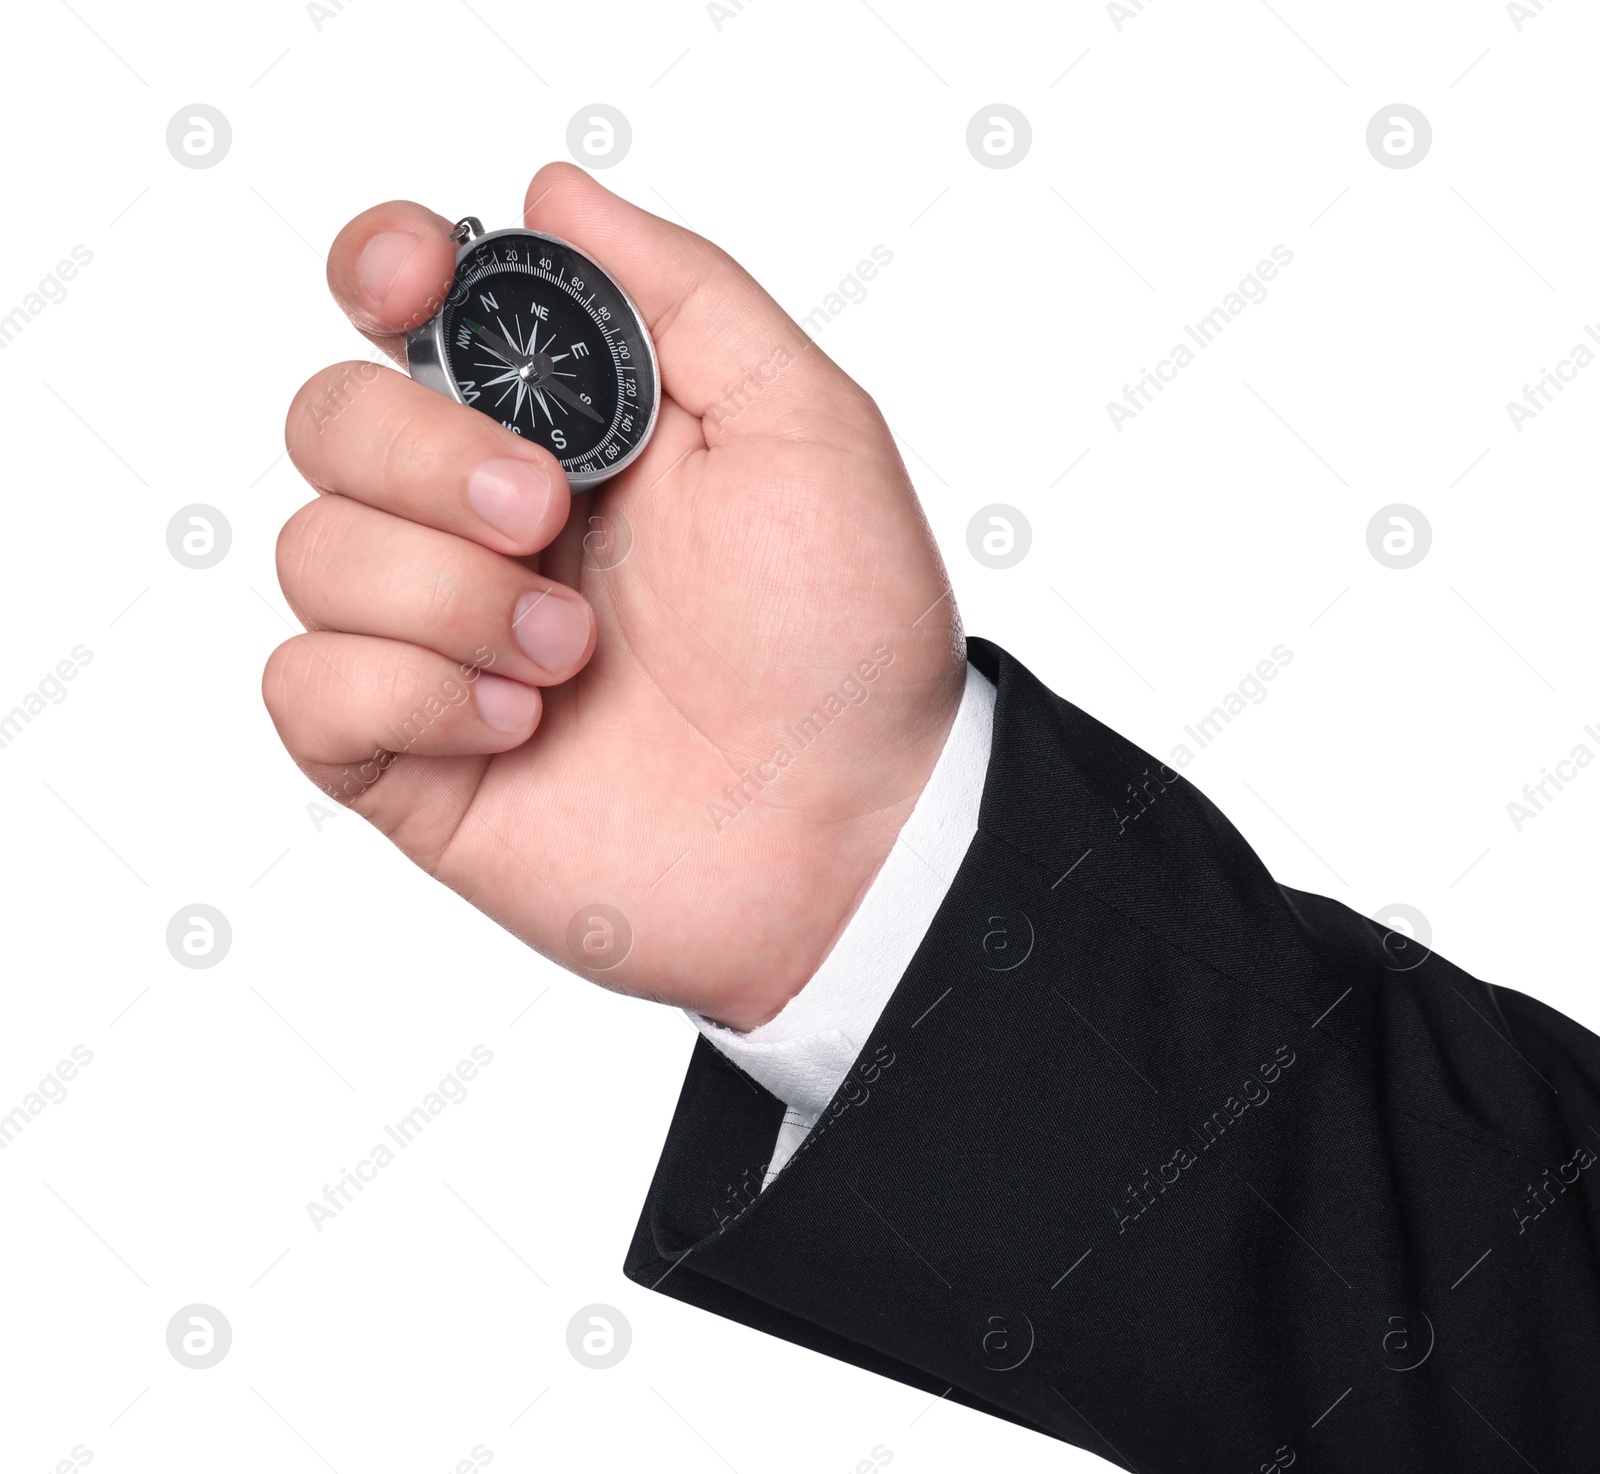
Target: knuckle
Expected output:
[868,407]
[303,542]
[444,608]
[409,443]
[323,399]
[424,444]
[282,678]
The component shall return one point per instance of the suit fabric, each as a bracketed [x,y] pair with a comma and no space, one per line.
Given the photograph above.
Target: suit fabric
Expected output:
[1155,1156]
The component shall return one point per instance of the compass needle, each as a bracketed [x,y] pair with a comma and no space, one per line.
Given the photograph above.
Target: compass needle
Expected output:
[566,396]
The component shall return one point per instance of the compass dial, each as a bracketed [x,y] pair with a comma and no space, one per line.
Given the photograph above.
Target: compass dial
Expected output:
[535,335]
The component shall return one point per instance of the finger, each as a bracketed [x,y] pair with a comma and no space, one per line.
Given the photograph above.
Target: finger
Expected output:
[372,434]
[339,700]
[390,269]
[348,567]
[728,352]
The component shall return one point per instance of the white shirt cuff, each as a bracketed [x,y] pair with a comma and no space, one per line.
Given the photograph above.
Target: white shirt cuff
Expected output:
[804,1053]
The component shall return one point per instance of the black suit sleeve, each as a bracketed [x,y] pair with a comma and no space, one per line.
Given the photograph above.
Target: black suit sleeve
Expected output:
[1157,1157]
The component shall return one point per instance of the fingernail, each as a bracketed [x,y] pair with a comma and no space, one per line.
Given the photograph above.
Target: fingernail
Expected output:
[381,260]
[507,706]
[510,495]
[551,630]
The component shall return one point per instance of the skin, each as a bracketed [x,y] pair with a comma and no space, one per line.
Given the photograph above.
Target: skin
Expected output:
[774,545]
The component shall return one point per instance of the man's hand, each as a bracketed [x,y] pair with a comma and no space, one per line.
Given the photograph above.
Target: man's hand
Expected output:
[710,691]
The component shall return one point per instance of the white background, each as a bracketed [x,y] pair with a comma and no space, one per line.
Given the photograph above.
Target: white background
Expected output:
[1168,157]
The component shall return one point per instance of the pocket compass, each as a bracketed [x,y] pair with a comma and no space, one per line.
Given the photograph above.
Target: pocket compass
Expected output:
[537,336]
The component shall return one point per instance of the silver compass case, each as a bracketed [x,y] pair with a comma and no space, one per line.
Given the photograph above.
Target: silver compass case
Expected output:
[425,346]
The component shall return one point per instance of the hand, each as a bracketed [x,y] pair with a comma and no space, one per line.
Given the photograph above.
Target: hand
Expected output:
[642,733]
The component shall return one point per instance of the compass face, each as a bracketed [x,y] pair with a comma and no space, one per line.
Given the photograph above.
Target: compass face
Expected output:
[538,337]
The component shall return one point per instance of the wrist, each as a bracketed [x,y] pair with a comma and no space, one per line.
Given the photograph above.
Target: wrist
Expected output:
[803,1053]
[840,849]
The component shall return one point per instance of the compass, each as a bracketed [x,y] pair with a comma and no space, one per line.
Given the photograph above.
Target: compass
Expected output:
[535,335]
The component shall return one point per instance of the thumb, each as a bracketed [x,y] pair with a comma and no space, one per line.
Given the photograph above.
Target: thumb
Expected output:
[729,354]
